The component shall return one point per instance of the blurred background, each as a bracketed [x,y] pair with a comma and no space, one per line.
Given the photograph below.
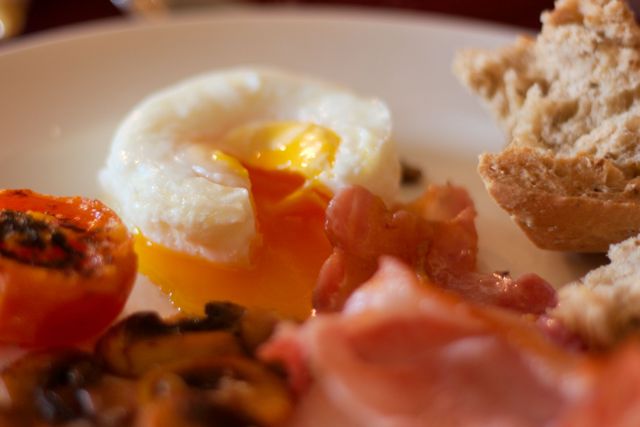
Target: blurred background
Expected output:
[19,18]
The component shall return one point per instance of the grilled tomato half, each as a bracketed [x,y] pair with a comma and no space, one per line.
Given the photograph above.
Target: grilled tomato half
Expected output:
[67,266]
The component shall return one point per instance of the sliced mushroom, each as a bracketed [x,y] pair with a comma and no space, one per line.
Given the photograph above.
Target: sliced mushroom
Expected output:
[144,340]
[195,372]
[48,384]
[64,386]
[219,391]
[255,327]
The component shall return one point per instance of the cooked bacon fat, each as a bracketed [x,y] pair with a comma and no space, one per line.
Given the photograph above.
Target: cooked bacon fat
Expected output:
[435,235]
[404,353]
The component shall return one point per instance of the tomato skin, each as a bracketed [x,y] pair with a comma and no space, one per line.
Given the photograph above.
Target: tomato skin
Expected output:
[44,305]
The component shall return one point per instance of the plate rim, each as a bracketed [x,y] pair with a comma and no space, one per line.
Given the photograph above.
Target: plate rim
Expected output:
[264,13]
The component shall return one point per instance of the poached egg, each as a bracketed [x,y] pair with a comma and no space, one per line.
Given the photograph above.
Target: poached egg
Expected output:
[226,177]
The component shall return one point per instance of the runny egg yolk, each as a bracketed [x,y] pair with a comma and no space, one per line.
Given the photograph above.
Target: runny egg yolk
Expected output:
[289,203]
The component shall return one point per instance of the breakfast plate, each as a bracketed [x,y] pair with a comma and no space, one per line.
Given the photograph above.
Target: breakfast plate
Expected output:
[65,93]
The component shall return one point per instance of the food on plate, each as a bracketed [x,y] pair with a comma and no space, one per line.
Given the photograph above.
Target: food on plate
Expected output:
[254,186]
[410,175]
[435,235]
[227,177]
[604,306]
[148,372]
[569,175]
[67,266]
[143,340]
[58,387]
[405,353]
[568,102]
[214,391]
[614,399]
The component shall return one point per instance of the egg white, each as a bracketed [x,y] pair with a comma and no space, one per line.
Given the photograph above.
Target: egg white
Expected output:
[163,180]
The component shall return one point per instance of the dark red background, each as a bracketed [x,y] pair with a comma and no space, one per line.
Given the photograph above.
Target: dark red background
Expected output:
[45,14]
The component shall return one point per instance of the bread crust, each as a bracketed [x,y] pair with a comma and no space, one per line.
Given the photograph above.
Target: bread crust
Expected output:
[551,214]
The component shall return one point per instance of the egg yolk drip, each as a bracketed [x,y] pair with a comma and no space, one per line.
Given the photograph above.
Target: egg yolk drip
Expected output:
[289,203]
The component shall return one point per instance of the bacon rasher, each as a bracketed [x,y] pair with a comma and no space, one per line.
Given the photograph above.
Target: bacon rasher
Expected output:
[435,235]
[405,353]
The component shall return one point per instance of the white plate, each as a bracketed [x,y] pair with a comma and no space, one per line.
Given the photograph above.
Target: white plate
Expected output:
[64,93]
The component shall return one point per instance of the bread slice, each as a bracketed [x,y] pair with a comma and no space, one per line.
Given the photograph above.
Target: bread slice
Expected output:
[569,102]
[604,306]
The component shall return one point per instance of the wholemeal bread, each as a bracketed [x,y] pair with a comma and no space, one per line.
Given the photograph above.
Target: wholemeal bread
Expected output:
[569,102]
[604,306]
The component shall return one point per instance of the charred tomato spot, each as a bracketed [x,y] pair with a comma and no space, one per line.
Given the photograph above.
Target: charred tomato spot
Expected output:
[39,241]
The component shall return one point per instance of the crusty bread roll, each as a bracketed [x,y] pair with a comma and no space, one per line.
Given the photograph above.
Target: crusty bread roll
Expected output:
[569,102]
[604,306]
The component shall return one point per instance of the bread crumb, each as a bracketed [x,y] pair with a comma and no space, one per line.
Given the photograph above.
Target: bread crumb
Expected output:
[604,306]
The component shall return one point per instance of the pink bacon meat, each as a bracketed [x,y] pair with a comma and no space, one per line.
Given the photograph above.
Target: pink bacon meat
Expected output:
[404,353]
[435,235]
